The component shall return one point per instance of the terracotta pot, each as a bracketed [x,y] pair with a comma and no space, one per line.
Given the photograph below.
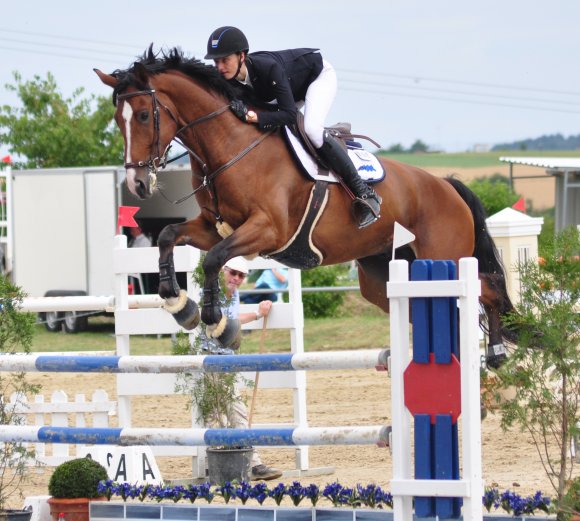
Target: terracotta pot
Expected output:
[73,509]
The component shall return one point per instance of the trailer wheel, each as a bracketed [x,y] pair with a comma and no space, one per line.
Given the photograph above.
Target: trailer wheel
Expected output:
[52,320]
[73,323]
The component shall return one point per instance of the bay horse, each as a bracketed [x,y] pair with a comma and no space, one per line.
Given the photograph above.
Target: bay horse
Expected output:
[247,184]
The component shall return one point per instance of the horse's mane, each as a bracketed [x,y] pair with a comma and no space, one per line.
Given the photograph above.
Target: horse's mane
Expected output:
[172,59]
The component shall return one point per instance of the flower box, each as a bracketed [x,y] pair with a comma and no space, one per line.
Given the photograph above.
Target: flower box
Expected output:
[119,511]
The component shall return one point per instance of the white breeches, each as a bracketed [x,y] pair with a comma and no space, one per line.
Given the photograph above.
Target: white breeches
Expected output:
[319,98]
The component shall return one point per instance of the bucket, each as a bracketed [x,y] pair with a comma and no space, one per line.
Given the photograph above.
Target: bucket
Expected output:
[229,464]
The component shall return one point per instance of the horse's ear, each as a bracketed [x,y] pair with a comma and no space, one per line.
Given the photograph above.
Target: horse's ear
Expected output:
[107,79]
[140,73]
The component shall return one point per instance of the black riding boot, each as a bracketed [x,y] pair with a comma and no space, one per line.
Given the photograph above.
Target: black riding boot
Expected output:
[367,205]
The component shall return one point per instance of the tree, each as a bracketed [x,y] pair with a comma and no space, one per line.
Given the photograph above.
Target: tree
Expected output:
[544,367]
[418,147]
[49,130]
[494,193]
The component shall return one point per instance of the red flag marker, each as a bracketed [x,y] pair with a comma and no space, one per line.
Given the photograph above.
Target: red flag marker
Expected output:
[125,217]
[520,205]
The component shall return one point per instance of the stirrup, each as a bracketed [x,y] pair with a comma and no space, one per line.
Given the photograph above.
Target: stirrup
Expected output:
[366,214]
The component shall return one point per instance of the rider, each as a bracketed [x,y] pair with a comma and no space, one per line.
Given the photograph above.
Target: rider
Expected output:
[284,78]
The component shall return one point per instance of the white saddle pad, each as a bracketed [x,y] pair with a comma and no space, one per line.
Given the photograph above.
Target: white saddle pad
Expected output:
[367,164]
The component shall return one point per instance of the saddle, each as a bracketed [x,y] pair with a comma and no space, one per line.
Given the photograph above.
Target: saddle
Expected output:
[312,165]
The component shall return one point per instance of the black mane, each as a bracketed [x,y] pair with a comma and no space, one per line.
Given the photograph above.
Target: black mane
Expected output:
[173,59]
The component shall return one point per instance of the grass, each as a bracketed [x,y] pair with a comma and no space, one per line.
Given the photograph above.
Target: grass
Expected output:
[473,159]
[360,325]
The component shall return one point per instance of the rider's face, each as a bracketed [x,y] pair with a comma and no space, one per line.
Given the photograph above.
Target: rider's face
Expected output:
[228,65]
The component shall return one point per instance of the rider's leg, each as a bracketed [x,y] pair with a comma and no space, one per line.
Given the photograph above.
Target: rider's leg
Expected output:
[317,103]
[367,204]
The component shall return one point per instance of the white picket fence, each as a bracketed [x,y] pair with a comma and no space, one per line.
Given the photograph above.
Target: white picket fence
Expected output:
[62,412]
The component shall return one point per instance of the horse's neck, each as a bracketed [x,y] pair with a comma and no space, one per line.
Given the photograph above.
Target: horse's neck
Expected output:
[193,102]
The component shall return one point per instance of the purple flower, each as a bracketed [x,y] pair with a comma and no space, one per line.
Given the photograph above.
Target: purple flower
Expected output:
[296,492]
[278,493]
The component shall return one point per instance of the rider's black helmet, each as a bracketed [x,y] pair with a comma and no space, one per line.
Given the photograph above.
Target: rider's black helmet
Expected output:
[225,41]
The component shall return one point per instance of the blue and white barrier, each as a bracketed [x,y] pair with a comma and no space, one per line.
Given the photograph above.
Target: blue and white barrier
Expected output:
[372,435]
[328,360]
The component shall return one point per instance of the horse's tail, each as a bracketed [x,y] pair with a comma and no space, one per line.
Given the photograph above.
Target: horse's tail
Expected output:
[490,265]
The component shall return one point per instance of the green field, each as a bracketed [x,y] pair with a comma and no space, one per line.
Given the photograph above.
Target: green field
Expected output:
[473,159]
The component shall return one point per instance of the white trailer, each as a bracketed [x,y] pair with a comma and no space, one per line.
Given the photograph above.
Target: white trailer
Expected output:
[62,224]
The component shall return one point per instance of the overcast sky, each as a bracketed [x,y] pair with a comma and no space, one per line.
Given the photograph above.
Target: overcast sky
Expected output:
[452,73]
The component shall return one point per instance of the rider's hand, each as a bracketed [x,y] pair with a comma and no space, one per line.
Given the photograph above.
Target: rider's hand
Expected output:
[251,117]
[239,109]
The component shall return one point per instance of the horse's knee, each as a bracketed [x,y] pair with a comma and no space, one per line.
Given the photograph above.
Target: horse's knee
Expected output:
[167,237]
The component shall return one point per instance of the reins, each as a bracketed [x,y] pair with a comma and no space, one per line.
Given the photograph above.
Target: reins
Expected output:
[156,163]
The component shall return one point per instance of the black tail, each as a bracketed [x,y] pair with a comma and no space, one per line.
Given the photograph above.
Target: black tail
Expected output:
[490,265]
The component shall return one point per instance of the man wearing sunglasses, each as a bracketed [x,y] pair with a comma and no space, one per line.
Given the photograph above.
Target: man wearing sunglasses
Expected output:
[235,272]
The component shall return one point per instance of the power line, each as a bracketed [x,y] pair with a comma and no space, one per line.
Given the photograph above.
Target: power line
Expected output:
[455,100]
[60,37]
[57,46]
[414,78]
[60,55]
[417,78]
[463,93]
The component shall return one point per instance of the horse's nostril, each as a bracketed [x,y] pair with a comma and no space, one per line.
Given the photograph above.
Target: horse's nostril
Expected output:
[140,188]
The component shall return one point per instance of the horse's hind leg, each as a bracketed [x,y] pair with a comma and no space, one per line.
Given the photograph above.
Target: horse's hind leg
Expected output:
[496,303]
[373,273]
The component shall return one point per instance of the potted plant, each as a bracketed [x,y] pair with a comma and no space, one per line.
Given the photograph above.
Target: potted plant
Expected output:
[16,330]
[214,396]
[72,486]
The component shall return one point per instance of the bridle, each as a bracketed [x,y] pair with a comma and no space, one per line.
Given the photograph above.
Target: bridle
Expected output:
[154,164]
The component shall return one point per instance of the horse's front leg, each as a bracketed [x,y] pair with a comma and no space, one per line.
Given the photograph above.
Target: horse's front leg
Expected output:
[225,329]
[183,309]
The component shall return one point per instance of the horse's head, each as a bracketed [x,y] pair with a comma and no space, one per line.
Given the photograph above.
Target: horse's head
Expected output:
[138,117]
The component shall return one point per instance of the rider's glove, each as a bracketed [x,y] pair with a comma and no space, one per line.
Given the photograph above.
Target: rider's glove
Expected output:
[239,109]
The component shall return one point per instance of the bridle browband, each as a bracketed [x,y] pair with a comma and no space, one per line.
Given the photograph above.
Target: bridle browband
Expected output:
[160,161]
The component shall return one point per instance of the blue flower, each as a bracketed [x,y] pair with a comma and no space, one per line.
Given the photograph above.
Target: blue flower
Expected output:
[296,492]
[278,493]
[313,493]
[244,492]
[259,493]
[337,494]
[227,491]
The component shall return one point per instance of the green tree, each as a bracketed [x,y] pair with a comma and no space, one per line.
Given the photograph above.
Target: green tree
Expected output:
[418,147]
[494,193]
[49,130]
[544,367]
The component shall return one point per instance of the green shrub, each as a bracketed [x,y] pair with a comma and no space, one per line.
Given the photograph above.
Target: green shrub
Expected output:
[77,478]
[322,304]
[571,501]
[494,193]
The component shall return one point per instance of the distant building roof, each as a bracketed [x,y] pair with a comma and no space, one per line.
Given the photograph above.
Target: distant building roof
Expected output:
[553,163]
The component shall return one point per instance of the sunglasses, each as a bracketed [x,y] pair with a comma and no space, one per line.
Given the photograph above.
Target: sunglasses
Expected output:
[235,273]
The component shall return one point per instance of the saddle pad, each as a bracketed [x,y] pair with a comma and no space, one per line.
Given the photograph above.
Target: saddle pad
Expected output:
[367,165]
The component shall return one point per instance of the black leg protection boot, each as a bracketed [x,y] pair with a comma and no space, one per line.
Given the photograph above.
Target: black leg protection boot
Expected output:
[367,205]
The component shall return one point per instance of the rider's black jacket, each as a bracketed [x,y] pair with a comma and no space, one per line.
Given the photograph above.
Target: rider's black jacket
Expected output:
[284,77]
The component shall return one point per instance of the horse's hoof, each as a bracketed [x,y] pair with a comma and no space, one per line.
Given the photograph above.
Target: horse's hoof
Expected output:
[496,356]
[228,332]
[495,361]
[185,311]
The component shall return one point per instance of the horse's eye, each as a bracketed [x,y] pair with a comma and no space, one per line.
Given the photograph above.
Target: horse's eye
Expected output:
[143,116]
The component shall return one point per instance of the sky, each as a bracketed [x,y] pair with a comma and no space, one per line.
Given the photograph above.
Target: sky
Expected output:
[452,73]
